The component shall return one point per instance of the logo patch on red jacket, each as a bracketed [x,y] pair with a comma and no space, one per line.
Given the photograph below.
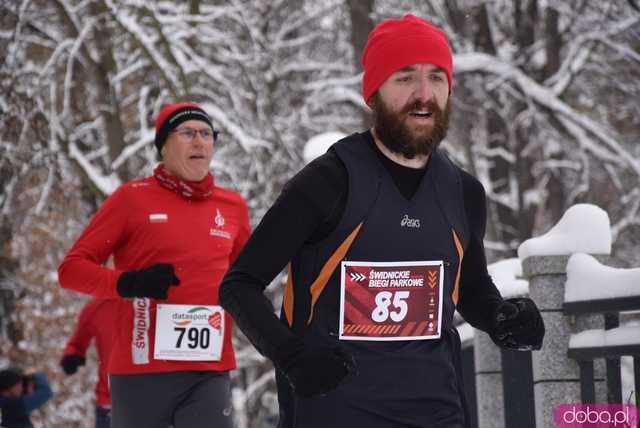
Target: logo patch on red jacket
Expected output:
[214,320]
[158,218]
[218,230]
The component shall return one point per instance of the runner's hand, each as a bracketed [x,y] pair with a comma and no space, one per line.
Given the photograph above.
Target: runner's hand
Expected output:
[153,281]
[314,371]
[70,363]
[518,325]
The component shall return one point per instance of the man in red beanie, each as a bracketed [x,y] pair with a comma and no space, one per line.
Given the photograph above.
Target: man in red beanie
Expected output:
[172,237]
[383,238]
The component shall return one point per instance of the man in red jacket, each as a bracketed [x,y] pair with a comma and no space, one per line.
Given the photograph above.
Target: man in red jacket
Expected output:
[172,236]
[96,320]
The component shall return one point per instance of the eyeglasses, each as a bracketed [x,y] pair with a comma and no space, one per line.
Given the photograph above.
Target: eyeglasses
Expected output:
[188,134]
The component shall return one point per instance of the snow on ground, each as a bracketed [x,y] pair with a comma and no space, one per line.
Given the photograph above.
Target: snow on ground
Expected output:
[588,279]
[584,228]
[319,144]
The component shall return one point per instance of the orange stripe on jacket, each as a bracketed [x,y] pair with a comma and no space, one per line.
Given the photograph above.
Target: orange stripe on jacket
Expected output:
[287,301]
[460,251]
[329,267]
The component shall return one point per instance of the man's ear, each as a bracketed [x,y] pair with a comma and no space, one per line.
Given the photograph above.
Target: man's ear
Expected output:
[371,102]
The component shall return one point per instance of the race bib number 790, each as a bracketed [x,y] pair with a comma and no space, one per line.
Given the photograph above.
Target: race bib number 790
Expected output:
[391,301]
[189,333]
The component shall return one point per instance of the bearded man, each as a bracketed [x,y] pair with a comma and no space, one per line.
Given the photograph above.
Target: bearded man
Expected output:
[383,236]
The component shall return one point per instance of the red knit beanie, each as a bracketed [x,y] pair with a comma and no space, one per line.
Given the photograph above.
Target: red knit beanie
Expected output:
[398,43]
[173,115]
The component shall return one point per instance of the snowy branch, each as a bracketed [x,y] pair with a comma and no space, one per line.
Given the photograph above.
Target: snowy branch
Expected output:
[130,26]
[106,184]
[479,62]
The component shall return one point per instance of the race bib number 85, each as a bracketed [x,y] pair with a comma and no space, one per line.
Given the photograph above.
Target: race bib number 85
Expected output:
[189,333]
[391,301]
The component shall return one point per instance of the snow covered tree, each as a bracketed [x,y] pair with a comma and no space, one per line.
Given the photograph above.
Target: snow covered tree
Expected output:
[82,82]
[545,114]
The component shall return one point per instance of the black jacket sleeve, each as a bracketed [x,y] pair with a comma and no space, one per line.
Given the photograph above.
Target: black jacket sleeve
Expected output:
[304,212]
[309,207]
[478,297]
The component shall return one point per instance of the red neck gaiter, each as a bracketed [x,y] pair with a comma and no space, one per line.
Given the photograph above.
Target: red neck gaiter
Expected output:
[202,189]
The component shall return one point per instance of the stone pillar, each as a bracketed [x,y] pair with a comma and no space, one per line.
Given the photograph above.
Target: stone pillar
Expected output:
[489,389]
[556,378]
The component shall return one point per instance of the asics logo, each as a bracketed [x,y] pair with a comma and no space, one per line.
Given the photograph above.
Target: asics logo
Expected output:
[409,222]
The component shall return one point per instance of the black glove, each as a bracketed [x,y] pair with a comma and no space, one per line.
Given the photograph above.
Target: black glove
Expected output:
[153,281]
[314,370]
[518,325]
[70,363]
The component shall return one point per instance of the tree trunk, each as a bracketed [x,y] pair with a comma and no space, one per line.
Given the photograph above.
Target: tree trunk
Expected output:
[361,24]
[456,16]
[553,42]
[194,7]
[501,218]
[525,22]
[483,38]
[106,68]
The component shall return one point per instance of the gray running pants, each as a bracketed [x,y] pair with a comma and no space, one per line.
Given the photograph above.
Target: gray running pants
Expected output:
[177,399]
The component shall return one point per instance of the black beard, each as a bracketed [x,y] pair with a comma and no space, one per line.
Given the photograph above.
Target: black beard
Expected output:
[398,138]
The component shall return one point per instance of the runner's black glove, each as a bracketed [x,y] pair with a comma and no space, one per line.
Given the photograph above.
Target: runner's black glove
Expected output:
[518,325]
[314,370]
[70,363]
[153,281]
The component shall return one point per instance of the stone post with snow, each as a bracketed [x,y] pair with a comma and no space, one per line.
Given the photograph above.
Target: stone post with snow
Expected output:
[489,391]
[506,275]
[583,228]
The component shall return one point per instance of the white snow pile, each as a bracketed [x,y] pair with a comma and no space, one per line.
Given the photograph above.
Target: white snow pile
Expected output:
[319,144]
[627,335]
[588,279]
[584,228]
[507,276]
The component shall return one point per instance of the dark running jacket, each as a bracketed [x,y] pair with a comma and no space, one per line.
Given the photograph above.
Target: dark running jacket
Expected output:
[401,383]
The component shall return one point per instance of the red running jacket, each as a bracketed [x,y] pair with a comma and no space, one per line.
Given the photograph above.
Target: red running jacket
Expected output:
[142,224]
[96,320]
